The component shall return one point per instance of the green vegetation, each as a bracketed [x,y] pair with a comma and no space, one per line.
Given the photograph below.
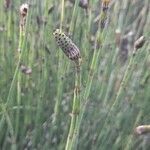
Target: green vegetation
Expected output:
[48,101]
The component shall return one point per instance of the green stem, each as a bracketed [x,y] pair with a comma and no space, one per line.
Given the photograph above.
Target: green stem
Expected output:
[10,127]
[59,73]
[123,82]
[88,86]
[130,138]
[121,88]
[62,14]
[75,109]
[112,77]
[59,91]
[20,49]
[74,16]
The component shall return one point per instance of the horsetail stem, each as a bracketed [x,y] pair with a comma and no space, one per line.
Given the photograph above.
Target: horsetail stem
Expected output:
[73,53]
[137,44]
[60,71]
[23,17]
[89,83]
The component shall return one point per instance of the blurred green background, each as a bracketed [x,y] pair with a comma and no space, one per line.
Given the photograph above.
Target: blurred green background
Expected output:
[41,83]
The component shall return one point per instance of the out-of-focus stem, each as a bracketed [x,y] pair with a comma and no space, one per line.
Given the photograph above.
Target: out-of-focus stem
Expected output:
[60,72]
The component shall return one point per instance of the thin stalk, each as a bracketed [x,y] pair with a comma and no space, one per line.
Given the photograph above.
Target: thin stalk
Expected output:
[123,82]
[9,23]
[59,73]
[42,81]
[59,91]
[86,93]
[10,127]
[121,88]
[75,109]
[111,78]
[85,100]
[74,16]
[62,14]
[130,138]
[99,37]
[21,37]
[22,29]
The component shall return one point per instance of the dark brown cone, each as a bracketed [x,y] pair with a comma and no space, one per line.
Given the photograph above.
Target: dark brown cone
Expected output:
[66,44]
[139,42]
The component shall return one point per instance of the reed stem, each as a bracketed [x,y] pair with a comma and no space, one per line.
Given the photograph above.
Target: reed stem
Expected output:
[75,108]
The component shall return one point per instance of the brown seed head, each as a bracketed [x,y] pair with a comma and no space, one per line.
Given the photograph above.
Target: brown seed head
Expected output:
[118,37]
[143,129]
[24,9]
[23,15]
[104,13]
[139,42]
[26,70]
[82,3]
[105,4]
[66,44]
[7,3]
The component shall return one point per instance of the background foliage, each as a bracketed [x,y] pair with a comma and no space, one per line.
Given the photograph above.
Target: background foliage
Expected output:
[27,118]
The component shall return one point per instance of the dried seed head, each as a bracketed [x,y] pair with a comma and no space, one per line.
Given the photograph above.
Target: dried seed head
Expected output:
[139,42]
[118,37]
[105,5]
[7,3]
[82,3]
[104,13]
[26,70]
[24,9]
[66,44]
[143,129]
[23,15]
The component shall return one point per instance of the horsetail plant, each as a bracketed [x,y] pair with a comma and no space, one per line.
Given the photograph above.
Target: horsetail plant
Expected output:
[66,44]
[73,53]
[104,13]
[35,104]
[102,18]
[137,44]
[23,16]
[17,75]
[60,83]
[99,36]
[142,129]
